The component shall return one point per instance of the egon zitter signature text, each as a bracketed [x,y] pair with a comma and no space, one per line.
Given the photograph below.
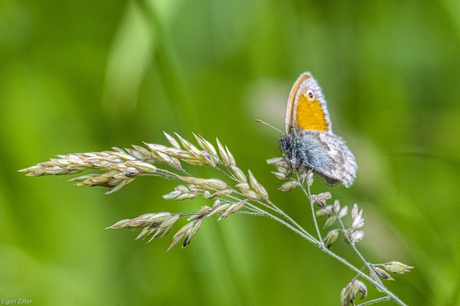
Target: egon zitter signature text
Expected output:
[18,301]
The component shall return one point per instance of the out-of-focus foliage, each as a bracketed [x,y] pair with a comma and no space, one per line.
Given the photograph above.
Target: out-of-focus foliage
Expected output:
[78,76]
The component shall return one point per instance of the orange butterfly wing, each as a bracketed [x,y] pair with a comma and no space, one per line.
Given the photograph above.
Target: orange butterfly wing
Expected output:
[310,114]
[306,107]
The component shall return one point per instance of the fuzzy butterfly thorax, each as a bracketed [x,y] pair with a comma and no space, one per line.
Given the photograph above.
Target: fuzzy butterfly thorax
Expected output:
[309,143]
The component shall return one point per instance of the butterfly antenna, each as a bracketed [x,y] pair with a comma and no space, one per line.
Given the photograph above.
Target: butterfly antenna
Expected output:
[263,122]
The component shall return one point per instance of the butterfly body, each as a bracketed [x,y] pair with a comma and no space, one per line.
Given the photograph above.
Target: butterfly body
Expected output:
[309,143]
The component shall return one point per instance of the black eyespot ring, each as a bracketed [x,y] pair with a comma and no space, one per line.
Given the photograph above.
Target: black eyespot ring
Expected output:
[310,94]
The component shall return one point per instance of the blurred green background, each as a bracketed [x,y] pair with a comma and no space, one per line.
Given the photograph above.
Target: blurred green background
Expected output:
[79,76]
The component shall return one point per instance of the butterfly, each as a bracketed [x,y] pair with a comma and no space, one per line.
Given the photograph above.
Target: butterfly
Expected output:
[309,143]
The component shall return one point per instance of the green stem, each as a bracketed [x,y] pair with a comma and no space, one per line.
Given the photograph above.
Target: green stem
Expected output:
[362,274]
[264,213]
[375,301]
[312,206]
[353,245]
